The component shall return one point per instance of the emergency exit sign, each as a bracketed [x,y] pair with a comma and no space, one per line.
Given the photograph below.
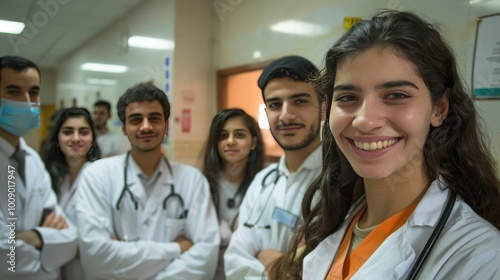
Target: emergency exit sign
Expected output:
[350,21]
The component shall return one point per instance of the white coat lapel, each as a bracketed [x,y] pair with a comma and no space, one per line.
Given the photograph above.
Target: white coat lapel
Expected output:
[405,244]
[135,186]
[317,263]
[34,194]
[160,191]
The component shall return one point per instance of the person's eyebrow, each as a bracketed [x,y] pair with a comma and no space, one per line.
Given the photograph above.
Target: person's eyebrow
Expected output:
[134,115]
[346,87]
[295,95]
[398,83]
[387,85]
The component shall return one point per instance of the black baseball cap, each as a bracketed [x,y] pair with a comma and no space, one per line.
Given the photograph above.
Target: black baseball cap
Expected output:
[302,67]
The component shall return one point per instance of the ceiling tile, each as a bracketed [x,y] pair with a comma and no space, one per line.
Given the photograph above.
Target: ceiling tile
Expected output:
[63,31]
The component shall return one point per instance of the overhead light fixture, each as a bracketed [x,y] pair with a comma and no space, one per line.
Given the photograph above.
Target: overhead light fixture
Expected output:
[11,27]
[99,67]
[297,27]
[106,82]
[257,54]
[150,43]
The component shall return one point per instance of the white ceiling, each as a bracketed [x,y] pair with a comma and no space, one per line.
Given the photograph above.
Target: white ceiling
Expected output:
[58,28]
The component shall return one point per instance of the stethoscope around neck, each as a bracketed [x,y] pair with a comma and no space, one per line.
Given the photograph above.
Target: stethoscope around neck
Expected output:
[264,185]
[429,245]
[172,195]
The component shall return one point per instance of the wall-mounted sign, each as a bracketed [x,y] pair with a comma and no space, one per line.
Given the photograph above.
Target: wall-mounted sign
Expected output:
[486,59]
[350,21]
[186,120]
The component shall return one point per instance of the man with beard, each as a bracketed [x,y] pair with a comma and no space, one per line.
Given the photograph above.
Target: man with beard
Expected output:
[139,215]
[271,209]
[110,143]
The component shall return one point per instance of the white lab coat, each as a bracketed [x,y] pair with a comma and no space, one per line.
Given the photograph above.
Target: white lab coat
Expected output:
[59,246]
[227,216]
[468,247]
[241,256]
[155,255]
[73,269]
[112,143]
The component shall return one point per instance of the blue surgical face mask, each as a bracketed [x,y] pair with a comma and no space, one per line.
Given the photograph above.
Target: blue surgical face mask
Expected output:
[17,117]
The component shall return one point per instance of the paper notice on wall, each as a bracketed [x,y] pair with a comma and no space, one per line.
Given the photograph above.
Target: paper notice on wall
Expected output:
[486,60]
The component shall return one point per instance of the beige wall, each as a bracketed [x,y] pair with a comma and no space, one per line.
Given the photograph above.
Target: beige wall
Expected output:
[194,77]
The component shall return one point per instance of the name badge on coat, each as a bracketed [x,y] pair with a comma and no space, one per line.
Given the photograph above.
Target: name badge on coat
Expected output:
[285,217]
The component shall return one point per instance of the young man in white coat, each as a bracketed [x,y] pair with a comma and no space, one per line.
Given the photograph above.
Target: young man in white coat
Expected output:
[140,216]
[35,241]
[271,208]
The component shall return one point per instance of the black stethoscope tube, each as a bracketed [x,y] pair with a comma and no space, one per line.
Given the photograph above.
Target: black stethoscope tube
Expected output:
[264,185]
[134,200]
[433,238]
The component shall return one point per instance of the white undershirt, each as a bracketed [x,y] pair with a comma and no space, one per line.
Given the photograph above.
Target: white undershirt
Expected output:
[358,235]
[227,190]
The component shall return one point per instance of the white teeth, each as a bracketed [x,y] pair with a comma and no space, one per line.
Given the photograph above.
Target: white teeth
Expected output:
[374,145]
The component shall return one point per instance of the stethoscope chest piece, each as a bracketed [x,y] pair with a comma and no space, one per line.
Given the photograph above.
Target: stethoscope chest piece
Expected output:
[231,203]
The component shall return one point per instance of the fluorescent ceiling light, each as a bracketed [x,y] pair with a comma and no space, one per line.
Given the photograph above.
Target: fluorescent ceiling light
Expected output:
[11,27]
[98,67]
[150,43]
[106,82]
[298,27]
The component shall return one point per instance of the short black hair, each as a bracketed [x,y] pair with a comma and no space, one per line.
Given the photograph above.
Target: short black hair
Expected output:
[142,92]
[103,103]
[17,63]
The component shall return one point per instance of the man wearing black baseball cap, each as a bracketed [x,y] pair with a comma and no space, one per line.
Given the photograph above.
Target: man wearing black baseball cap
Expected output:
[271,209]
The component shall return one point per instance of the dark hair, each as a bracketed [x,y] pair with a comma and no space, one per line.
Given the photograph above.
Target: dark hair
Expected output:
[45,145]
[17,63]
[142,92]
[54,159]
[456,150]
[103,103]
[212,161]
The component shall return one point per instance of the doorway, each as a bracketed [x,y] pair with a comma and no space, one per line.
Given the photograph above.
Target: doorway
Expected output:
[237,88]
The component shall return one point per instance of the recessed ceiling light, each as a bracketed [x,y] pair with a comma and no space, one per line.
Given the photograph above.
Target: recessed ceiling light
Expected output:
[150,43]
[99,67]
[11,27]
[297,27]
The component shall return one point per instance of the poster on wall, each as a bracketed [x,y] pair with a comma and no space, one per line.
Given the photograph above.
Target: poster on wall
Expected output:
[486,58]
